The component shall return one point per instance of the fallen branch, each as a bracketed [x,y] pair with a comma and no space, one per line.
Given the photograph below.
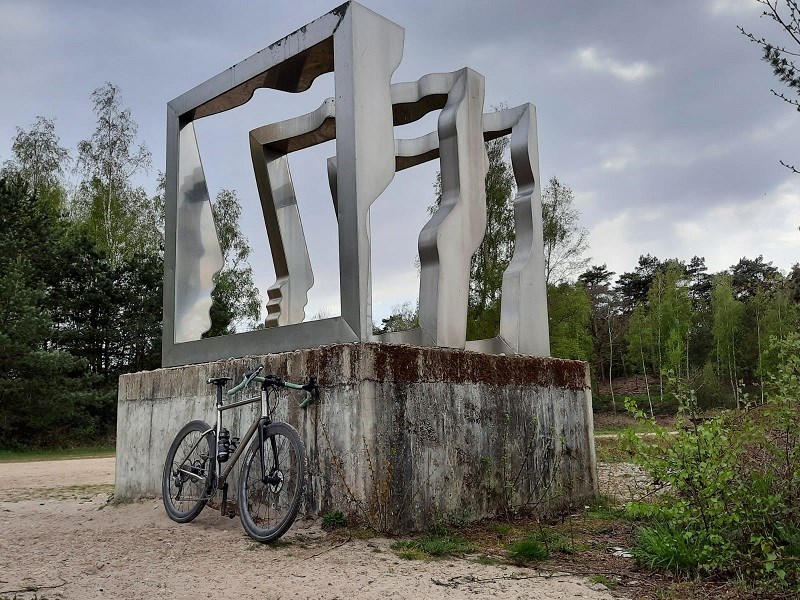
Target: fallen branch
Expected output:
[35,588]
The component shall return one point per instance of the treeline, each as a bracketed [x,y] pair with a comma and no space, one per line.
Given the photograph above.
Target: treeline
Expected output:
[670,319]
[81,272]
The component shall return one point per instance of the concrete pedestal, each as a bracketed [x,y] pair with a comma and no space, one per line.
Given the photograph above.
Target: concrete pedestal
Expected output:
[402,437]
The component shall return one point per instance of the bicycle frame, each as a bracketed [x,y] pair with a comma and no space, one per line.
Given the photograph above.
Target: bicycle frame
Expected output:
[259,424]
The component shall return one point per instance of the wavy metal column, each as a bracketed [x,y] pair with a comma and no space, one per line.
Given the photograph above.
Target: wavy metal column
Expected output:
[523,312]
[454,232]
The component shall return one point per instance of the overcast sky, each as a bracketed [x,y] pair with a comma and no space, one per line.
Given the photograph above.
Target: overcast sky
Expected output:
[658,114]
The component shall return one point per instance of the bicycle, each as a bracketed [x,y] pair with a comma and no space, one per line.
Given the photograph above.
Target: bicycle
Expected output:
[272,474]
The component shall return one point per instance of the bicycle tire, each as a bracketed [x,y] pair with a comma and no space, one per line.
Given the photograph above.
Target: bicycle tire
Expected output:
[268,509]
[201,456]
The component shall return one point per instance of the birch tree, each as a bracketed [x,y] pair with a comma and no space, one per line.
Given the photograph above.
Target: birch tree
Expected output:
[120,217]
[565,241]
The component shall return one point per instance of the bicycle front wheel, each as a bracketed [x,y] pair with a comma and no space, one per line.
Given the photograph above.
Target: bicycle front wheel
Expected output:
[270,491]
[188,478]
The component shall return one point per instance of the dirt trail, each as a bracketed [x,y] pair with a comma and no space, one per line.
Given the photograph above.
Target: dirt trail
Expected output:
[68,542]
[57,473]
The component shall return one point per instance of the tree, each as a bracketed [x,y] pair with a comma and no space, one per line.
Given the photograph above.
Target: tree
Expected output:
[787,15]
[120,217]
[404,317]
[634,286]
[748,276]
[492,258]
[565,242]
[236,301]
[670,312]
[43,391]
[726,330]
[640,345]
[603,323]
[568,311]
[41,160]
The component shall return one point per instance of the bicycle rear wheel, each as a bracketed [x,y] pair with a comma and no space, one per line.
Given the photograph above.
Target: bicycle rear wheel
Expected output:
[269,500]
[188,477]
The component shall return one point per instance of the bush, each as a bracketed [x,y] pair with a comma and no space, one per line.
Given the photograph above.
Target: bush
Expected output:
[334,520]
[732,484]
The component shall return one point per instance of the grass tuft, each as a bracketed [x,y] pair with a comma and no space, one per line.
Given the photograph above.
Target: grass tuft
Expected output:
[334,520]
[659,548]
[433,546]
[530,549]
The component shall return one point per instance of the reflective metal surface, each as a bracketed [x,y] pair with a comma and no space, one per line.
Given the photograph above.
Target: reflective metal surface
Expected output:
[362,49]
[197,256]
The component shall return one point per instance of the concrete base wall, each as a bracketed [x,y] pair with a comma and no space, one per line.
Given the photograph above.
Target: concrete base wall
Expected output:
[403,436]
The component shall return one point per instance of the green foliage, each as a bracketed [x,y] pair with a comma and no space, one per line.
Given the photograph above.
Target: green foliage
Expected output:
[236,301]
[433,546]
[41,160]
[493,255]
[120,218]
[731,504]
[568,311]
[530,549]
[780,58]
[728,312]
[44,395]
[334,520]
[404,317]
[670,317]
[565,241]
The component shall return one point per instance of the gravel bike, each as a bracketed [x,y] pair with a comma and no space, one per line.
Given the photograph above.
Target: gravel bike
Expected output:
[272,473]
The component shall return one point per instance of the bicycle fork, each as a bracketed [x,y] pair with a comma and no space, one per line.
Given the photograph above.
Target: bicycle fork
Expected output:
[269,476]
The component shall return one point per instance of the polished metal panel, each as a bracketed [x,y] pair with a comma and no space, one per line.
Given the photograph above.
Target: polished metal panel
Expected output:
[269,146]
[369,49]
[197,256]
[363,50]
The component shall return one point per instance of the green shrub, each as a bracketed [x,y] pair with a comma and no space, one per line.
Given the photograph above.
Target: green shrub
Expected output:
[334,520]
[732,484]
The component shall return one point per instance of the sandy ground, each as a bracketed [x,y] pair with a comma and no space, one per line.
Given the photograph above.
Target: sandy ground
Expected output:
[62,539]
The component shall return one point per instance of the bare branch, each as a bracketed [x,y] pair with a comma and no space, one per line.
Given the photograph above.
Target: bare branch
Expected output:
[790,167]
[787,100]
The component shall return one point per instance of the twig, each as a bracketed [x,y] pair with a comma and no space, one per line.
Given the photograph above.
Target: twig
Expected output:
[35,588]
[331,548]
[465,579]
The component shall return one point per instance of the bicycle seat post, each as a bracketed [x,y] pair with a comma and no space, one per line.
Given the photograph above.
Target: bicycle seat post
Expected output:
[220,383]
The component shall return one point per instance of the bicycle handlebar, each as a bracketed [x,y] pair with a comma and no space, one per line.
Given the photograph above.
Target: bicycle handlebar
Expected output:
[311,388]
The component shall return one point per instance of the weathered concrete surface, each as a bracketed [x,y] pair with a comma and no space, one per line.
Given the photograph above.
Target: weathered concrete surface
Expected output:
[402,435]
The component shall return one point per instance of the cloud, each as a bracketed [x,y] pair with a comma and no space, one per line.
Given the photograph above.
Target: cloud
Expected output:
[594,60]
[733,7]
[722,233]
[620,158]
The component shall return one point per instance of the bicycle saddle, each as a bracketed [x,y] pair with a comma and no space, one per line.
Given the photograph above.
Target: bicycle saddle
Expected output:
[219,380]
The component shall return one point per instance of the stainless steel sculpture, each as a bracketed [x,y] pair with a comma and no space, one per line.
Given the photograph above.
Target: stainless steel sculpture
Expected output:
[362,49]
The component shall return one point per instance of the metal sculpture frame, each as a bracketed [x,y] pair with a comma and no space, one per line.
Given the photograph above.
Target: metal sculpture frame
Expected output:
[363,50]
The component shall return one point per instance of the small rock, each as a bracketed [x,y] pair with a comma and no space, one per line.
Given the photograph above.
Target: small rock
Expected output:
[598,587]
